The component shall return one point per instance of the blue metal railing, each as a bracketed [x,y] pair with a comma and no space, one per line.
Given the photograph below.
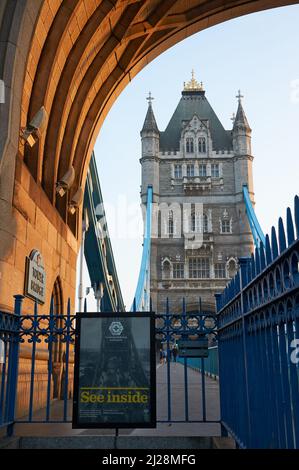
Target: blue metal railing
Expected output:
[258,330]
[141,300]
[40,333]
[211,366]
[186,325]
[48,341]
[9,336]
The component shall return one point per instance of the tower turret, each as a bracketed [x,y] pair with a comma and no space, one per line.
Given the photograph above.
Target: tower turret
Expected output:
[241,131]
[242,149]
[150,137]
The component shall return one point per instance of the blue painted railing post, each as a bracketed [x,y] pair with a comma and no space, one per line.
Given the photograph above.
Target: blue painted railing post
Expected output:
[243,280]
[67,355]
[13,368]
[218,301]
[168,320]
[185,336]
[33,353]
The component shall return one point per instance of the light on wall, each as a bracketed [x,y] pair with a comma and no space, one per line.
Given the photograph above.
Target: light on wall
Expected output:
[76,201]
[33,131]
[66,182]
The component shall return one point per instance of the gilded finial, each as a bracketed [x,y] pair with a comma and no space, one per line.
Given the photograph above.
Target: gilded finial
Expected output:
[193,84]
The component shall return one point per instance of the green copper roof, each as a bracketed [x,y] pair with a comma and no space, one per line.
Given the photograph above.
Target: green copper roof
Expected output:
[191,103]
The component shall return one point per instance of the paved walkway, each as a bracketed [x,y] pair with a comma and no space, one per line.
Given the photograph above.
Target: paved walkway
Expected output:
[163,429]
[178,404]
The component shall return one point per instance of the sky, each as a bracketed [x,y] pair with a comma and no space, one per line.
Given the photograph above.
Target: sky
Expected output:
[257,54]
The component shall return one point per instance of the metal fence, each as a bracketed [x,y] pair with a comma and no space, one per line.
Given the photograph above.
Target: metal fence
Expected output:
[37,362]
[34,341]
[211,363]
[258,339]
[170,328]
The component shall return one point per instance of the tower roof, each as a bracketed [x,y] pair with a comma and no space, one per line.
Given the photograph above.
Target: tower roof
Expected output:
[194,101]
[240,119]
[150,123]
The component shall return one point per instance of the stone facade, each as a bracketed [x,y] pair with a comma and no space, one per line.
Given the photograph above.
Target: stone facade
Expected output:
[200,228]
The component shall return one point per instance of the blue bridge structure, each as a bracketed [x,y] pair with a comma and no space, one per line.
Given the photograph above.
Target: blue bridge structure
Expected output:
[254,355]
[97,247]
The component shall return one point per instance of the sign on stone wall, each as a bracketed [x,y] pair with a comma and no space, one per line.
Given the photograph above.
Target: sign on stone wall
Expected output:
[35,278]
[114,371]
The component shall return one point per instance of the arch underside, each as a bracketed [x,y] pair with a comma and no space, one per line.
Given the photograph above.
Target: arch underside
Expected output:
[82,54]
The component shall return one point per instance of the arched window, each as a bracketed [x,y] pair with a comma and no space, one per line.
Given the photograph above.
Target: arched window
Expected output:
[166,269]
[57,351]
[193,221]
[189,145]
[232,267]
[190,171]
[202,169]
[202,147]
[177,171]
[170,224]
[205,223]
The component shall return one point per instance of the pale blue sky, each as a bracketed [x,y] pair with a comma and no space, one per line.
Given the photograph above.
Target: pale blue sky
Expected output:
[257,53]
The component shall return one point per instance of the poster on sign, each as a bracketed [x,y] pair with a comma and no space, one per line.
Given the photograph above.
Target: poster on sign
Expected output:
[114,383]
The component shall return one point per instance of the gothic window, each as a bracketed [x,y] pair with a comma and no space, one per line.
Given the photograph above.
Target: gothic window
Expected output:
[189,145]
[232,267]
[202,148]
[178,270]
[190,171]
[220,271]
[166,269]
[225,226]
[193,221]
[215,170]
[202,170]
[205,223]
[199,268]
[57,350]
[170,224]
[177,171]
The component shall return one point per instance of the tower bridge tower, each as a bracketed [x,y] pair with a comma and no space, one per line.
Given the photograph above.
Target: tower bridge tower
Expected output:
[197,170]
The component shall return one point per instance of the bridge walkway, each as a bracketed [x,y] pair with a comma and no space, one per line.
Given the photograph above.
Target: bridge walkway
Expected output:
[163,429]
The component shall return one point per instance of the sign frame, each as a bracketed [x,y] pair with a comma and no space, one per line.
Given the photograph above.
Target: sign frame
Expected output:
[78,423]
[194,348]
[35,261]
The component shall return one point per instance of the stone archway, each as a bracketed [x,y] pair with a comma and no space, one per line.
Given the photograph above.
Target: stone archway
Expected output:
[74,57]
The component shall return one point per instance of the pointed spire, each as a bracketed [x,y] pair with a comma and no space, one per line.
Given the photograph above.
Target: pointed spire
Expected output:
[240,119]
[150,123]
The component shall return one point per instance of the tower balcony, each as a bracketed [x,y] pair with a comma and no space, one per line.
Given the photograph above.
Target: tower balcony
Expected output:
[200,183]
[208,284]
